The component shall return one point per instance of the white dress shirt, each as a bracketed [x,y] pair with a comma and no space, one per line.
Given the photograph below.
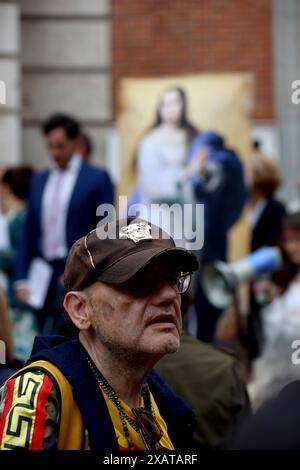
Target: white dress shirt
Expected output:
[55,204]
[256,211]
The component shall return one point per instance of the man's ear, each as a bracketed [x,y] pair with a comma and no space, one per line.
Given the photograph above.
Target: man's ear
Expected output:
[76,305]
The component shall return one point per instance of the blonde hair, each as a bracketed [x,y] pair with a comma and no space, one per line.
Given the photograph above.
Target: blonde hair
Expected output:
[266,175]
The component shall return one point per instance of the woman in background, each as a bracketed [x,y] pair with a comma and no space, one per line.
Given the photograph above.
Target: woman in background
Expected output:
[281,321]
[265,220]
[14,191]
[6,346]
[265,217]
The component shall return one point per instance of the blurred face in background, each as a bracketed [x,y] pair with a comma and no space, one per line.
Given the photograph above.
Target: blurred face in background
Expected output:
[298,181]
[4,195]
[291,244]
[60,146]
[3,191]
[171,107]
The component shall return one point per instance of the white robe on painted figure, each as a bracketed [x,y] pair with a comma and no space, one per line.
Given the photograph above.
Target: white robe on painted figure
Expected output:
[162,159]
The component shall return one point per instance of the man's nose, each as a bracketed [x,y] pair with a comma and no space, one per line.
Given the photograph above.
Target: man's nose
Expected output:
[165,292]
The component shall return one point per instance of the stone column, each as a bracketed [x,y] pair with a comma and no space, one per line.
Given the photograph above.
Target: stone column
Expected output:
[10,130]
[286,41]
[66,57]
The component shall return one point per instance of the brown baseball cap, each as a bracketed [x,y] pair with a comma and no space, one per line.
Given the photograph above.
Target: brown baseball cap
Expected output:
[116,251]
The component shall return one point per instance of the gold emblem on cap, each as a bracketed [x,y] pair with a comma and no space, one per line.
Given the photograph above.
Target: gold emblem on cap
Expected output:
[136,232]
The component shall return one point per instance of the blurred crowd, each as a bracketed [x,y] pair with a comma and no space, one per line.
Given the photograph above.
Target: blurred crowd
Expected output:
[230,360]
[42,215]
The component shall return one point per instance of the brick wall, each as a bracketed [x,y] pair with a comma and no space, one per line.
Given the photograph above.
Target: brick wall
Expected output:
[163,37]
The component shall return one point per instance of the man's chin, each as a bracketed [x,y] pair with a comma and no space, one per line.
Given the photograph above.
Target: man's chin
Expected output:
[172,348]
[167,344]
[161,340]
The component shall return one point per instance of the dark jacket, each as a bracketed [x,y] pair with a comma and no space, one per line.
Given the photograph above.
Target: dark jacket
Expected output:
[223,205]
[211,383]
[266,231]
[92,188]
[69,356]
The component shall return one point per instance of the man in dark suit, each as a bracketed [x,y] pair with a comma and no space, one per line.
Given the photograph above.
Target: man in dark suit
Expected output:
[62,207]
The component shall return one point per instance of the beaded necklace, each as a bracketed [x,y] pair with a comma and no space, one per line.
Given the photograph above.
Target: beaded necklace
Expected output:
[145,423]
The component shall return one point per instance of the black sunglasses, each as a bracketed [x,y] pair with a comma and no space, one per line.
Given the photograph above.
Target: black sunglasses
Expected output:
[146,283]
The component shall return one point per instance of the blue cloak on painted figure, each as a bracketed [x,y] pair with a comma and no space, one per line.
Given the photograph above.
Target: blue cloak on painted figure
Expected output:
[222,190]
[218,183]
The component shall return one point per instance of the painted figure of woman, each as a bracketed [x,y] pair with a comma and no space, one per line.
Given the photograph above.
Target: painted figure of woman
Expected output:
[162,156]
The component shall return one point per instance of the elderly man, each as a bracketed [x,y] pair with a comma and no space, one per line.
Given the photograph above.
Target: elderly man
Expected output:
[123,295]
